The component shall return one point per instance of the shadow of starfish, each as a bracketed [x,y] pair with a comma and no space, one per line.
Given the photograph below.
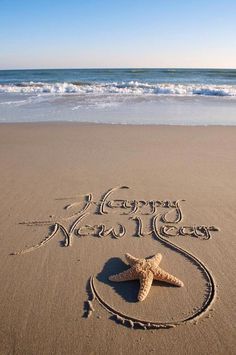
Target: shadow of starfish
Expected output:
[127,290]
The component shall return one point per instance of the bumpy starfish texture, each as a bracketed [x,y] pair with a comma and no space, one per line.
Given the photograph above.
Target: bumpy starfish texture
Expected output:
[146,270]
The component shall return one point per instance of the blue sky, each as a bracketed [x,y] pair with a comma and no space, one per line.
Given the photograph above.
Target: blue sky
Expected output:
[117,33]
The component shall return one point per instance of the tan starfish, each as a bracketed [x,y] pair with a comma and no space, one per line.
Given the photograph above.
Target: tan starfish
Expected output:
[146,270]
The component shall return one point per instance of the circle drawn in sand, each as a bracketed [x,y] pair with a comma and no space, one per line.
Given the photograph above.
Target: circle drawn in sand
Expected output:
[149,315]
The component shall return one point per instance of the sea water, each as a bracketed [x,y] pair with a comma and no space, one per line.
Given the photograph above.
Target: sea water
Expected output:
[126,96]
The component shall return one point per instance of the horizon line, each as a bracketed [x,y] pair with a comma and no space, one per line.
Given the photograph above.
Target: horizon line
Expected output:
[109,68]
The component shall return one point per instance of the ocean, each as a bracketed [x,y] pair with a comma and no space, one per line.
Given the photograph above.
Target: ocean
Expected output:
[124,96]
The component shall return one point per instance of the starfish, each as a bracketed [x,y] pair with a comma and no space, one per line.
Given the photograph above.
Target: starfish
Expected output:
[146,270]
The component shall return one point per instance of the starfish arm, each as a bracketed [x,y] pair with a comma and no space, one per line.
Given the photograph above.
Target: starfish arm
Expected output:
[126,275]
[131,259]
[156,259]
[145,285]
[162,275]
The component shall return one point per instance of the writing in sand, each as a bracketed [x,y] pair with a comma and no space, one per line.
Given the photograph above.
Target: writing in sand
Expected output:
[164,218]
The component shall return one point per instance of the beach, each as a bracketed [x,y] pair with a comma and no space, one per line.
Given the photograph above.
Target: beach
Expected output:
[76,197]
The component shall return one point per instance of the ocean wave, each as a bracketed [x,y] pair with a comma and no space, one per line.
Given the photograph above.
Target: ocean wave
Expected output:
[133,88]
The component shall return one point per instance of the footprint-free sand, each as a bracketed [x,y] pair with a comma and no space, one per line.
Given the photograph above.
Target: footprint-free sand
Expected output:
[76,197]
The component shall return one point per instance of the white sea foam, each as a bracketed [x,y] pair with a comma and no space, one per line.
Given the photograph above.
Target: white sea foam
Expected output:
[133,88]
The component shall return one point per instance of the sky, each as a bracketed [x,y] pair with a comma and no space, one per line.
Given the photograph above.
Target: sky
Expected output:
[117,33]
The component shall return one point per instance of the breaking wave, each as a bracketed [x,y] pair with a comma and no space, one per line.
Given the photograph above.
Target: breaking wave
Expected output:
[133,88]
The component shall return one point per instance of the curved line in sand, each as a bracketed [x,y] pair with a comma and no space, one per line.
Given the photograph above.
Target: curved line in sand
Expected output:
[122,317]
[211,282]
[39,245]
[146,324]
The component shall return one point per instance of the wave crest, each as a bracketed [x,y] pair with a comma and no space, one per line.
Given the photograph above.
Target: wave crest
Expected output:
[133,88]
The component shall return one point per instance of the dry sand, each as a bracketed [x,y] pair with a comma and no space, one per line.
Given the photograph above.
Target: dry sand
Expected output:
[45,292]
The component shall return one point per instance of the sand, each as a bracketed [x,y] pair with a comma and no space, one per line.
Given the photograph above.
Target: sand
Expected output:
[76,197]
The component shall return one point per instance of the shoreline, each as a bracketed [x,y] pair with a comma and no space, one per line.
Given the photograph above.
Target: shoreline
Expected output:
[114,124]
